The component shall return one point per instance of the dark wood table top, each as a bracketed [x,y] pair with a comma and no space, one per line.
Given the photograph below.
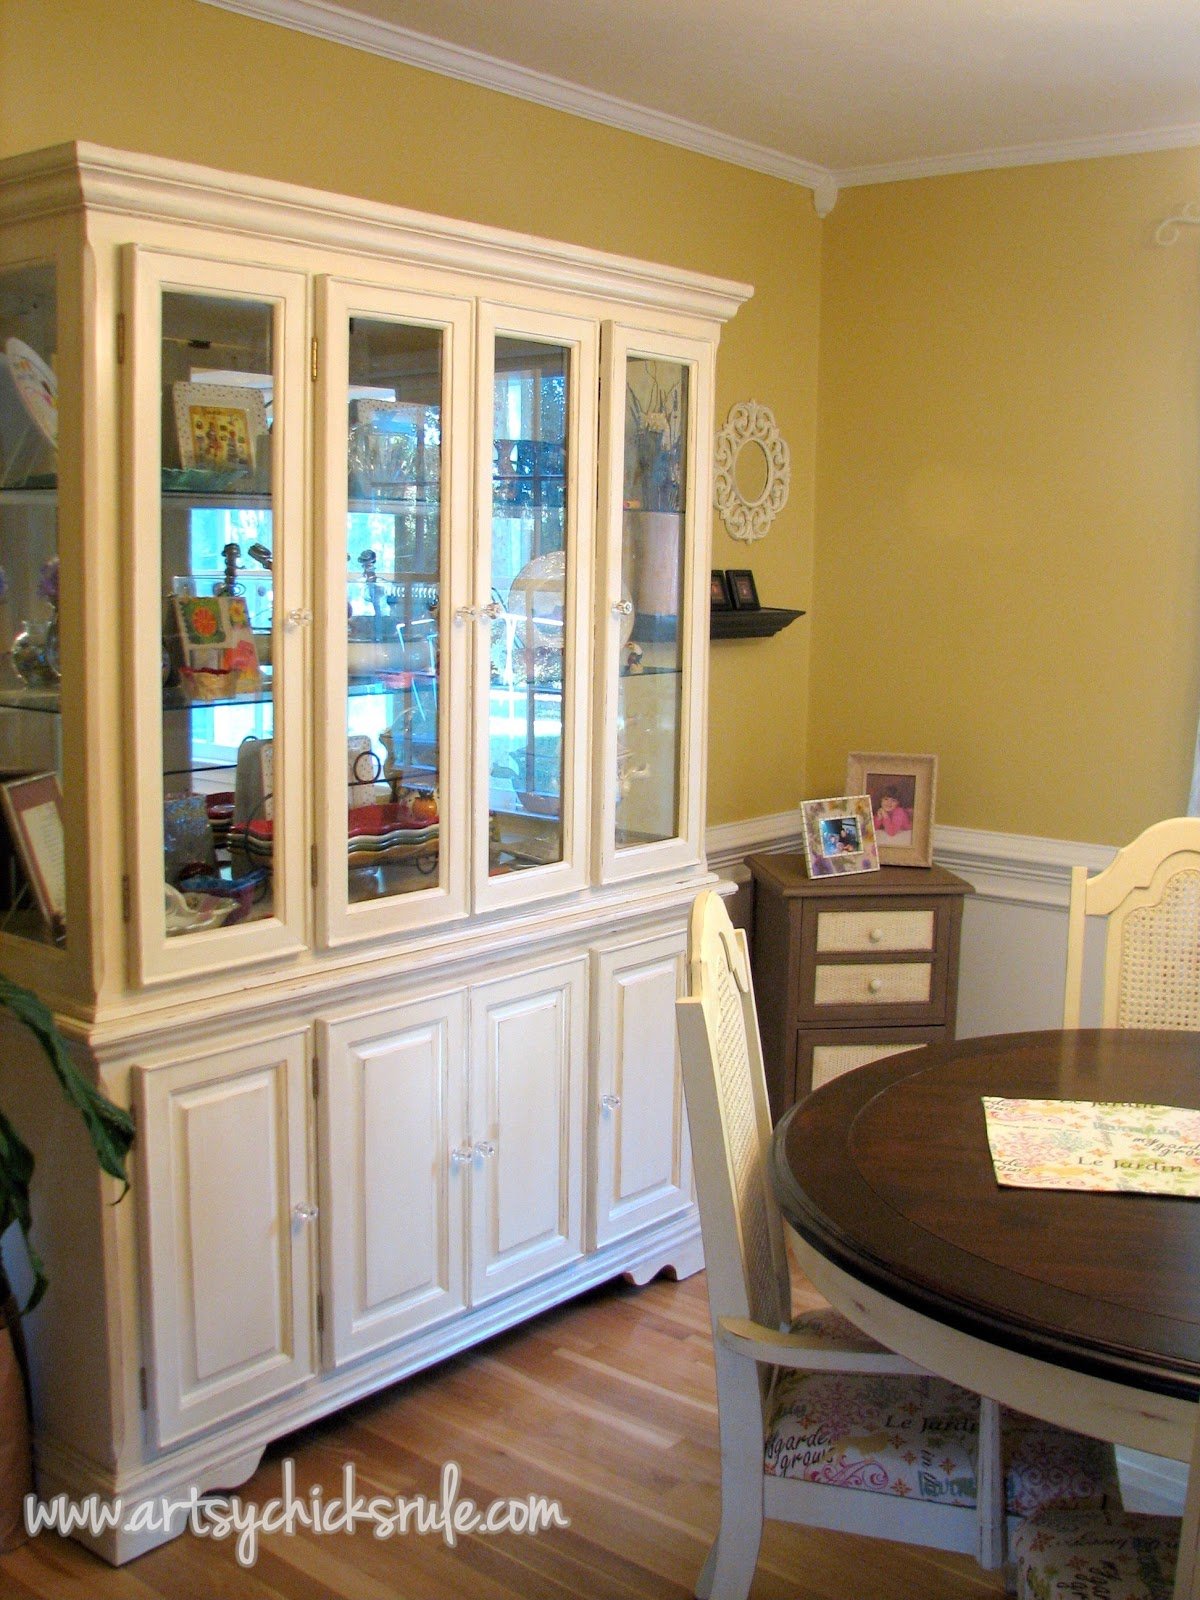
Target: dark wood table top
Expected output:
[886,1171]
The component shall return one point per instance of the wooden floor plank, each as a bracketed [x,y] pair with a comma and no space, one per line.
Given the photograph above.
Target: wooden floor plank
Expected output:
[606,1405]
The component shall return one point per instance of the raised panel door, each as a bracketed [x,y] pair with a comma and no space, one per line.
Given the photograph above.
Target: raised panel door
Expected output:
[393,1110]
[227,1213]
[528,1056]
[642,1154]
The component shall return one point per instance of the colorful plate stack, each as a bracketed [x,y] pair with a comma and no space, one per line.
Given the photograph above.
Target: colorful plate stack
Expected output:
[375,834]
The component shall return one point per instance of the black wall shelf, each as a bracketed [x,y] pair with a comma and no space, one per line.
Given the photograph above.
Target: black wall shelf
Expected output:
[750,624]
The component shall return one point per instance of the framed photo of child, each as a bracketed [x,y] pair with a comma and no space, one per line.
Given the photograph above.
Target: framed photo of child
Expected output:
[902,791]
[839,836]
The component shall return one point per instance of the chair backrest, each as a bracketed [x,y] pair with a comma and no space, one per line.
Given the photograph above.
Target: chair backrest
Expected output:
[730,1123]
[1150,894]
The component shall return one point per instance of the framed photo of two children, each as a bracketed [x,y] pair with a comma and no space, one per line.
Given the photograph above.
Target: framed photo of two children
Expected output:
[902,791]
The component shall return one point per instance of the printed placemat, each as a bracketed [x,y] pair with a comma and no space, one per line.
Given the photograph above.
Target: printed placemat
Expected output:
[1120,1146]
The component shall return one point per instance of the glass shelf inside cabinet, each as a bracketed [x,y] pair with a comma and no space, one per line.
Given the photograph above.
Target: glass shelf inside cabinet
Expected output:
[32,871]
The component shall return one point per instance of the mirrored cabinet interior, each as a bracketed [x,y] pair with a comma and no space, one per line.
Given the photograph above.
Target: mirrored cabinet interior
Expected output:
[32,882]
[353,649]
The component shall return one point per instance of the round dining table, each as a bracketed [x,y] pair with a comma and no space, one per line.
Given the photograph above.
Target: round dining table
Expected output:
[1080,1307]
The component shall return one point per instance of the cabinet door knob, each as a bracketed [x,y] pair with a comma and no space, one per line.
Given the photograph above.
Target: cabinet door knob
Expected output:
[484,1147]
[874,986]
[491,611]
[297,617]
[622,608]
[304,1212]
[610,1102]
[875,935]
[464,1152]
[465,614]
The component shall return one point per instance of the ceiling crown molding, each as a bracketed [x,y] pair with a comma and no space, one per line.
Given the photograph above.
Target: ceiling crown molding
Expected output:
[325,20]
[1028,155]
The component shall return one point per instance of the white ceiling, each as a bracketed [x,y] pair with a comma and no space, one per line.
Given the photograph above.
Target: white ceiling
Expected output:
[828,92]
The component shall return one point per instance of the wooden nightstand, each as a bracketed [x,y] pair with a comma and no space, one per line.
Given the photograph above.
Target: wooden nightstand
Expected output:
[850,969]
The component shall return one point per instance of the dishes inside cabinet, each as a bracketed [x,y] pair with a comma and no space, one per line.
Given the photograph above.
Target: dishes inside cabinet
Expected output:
[36,386]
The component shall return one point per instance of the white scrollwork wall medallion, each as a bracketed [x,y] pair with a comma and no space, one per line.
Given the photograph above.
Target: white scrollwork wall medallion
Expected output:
[753,471]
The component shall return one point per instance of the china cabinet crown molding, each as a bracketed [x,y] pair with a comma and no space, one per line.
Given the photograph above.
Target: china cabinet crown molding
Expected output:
[101,179]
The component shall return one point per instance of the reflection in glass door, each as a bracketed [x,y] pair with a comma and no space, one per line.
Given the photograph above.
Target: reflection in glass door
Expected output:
[529,582]
[650,669]
[393,564]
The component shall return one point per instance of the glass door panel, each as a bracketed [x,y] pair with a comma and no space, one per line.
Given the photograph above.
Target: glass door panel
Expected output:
[393,564]
[215,381]
[219,797]
[32,875]
[528,581]
[650,670]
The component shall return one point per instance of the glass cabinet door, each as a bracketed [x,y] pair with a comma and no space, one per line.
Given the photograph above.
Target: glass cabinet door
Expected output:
[32,874]
[657,521]
[217,430]
[536,424]
[395,412]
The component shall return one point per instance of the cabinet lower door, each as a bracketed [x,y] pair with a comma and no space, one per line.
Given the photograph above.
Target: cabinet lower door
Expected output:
[226,1213]
[528,1049]
[642,1153]
[392,1112]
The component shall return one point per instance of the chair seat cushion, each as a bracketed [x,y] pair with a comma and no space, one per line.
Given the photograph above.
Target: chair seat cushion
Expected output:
[1096,1555]
[918,1437]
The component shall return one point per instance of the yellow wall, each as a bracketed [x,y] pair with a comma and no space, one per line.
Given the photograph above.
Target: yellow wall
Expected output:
[1006,553]
[180,79]
[1008,561]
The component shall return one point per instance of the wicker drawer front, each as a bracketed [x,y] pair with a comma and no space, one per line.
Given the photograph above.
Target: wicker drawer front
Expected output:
[908,983]
[831,1060]
[875,930]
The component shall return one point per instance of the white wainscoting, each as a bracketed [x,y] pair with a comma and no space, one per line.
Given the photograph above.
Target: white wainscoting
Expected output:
[1014,951]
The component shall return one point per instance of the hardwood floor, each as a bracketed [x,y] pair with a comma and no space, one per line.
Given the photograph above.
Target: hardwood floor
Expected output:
[606,1405]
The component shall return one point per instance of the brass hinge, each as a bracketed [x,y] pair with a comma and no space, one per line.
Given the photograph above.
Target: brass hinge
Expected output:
[120,338]
[316,1077]
[126,899]
[320,1312]
[312,866]
[143,1389]
[313,370]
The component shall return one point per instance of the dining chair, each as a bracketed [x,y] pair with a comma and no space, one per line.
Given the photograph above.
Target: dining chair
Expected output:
[1150,895]
[818,1423]
[1096,1555]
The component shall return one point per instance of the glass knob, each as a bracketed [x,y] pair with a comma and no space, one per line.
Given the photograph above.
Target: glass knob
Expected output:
[489,613]
[465,614]
[485,1147]
[298,617]
[610,1102]
[304,1213]
[622,608]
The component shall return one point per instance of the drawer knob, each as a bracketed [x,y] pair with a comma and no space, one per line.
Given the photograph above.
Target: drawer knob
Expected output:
[874,985]
[875,935]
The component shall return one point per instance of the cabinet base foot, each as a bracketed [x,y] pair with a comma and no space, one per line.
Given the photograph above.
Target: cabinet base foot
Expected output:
[122,1517]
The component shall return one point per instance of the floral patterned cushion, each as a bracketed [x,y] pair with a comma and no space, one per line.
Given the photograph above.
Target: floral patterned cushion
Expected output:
[918,1436]
[1096,1555]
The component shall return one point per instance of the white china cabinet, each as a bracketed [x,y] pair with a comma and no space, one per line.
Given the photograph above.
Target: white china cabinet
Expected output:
[354,629]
